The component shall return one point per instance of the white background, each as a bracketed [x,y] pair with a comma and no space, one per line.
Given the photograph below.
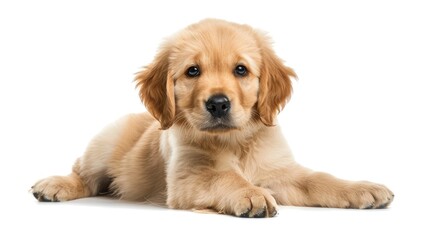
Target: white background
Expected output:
[359,110]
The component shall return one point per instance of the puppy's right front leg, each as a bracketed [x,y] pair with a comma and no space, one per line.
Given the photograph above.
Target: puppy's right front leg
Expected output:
[194,183]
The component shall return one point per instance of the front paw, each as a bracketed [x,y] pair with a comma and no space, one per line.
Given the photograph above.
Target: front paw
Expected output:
[366,195]
[253,203]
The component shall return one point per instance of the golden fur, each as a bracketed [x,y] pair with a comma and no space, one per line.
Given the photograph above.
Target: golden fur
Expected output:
[180,155]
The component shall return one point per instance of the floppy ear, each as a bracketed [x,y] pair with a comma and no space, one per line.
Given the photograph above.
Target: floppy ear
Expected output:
[157,89]
[275,86]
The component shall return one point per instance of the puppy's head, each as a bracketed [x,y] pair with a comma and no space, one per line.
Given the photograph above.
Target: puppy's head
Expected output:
[215,76]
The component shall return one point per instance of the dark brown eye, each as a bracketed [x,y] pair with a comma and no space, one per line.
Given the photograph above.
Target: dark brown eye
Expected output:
[193,71]
[240,71]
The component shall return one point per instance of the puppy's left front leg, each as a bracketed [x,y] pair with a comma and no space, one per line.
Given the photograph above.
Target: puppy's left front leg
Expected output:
[194,183]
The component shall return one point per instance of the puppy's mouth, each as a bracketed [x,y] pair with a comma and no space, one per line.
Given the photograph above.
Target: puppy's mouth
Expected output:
[218,125]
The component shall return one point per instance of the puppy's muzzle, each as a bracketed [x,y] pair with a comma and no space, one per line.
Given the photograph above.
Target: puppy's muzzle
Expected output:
[218,105]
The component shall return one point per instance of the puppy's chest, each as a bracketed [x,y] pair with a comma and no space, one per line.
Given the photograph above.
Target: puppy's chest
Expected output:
[251,164]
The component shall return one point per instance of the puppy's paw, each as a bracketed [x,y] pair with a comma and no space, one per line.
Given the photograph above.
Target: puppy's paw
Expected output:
[58,188]
[366,195]
[253,203]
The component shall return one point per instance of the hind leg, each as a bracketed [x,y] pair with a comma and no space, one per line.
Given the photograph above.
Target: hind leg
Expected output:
[61,188]
[103,161]
[299,186]
[89,176]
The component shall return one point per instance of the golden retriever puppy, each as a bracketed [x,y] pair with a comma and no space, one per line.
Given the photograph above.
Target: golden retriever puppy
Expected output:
[211,140]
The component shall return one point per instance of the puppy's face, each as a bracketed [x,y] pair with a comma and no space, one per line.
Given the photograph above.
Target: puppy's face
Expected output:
[216,76]
[216,70]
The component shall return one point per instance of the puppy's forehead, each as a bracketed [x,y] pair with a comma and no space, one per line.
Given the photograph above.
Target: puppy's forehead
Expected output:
[215,44]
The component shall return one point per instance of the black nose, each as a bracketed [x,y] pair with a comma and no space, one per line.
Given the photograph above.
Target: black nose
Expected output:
[218,106]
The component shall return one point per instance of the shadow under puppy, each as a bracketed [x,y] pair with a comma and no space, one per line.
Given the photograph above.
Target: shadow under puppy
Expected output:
[210,139]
